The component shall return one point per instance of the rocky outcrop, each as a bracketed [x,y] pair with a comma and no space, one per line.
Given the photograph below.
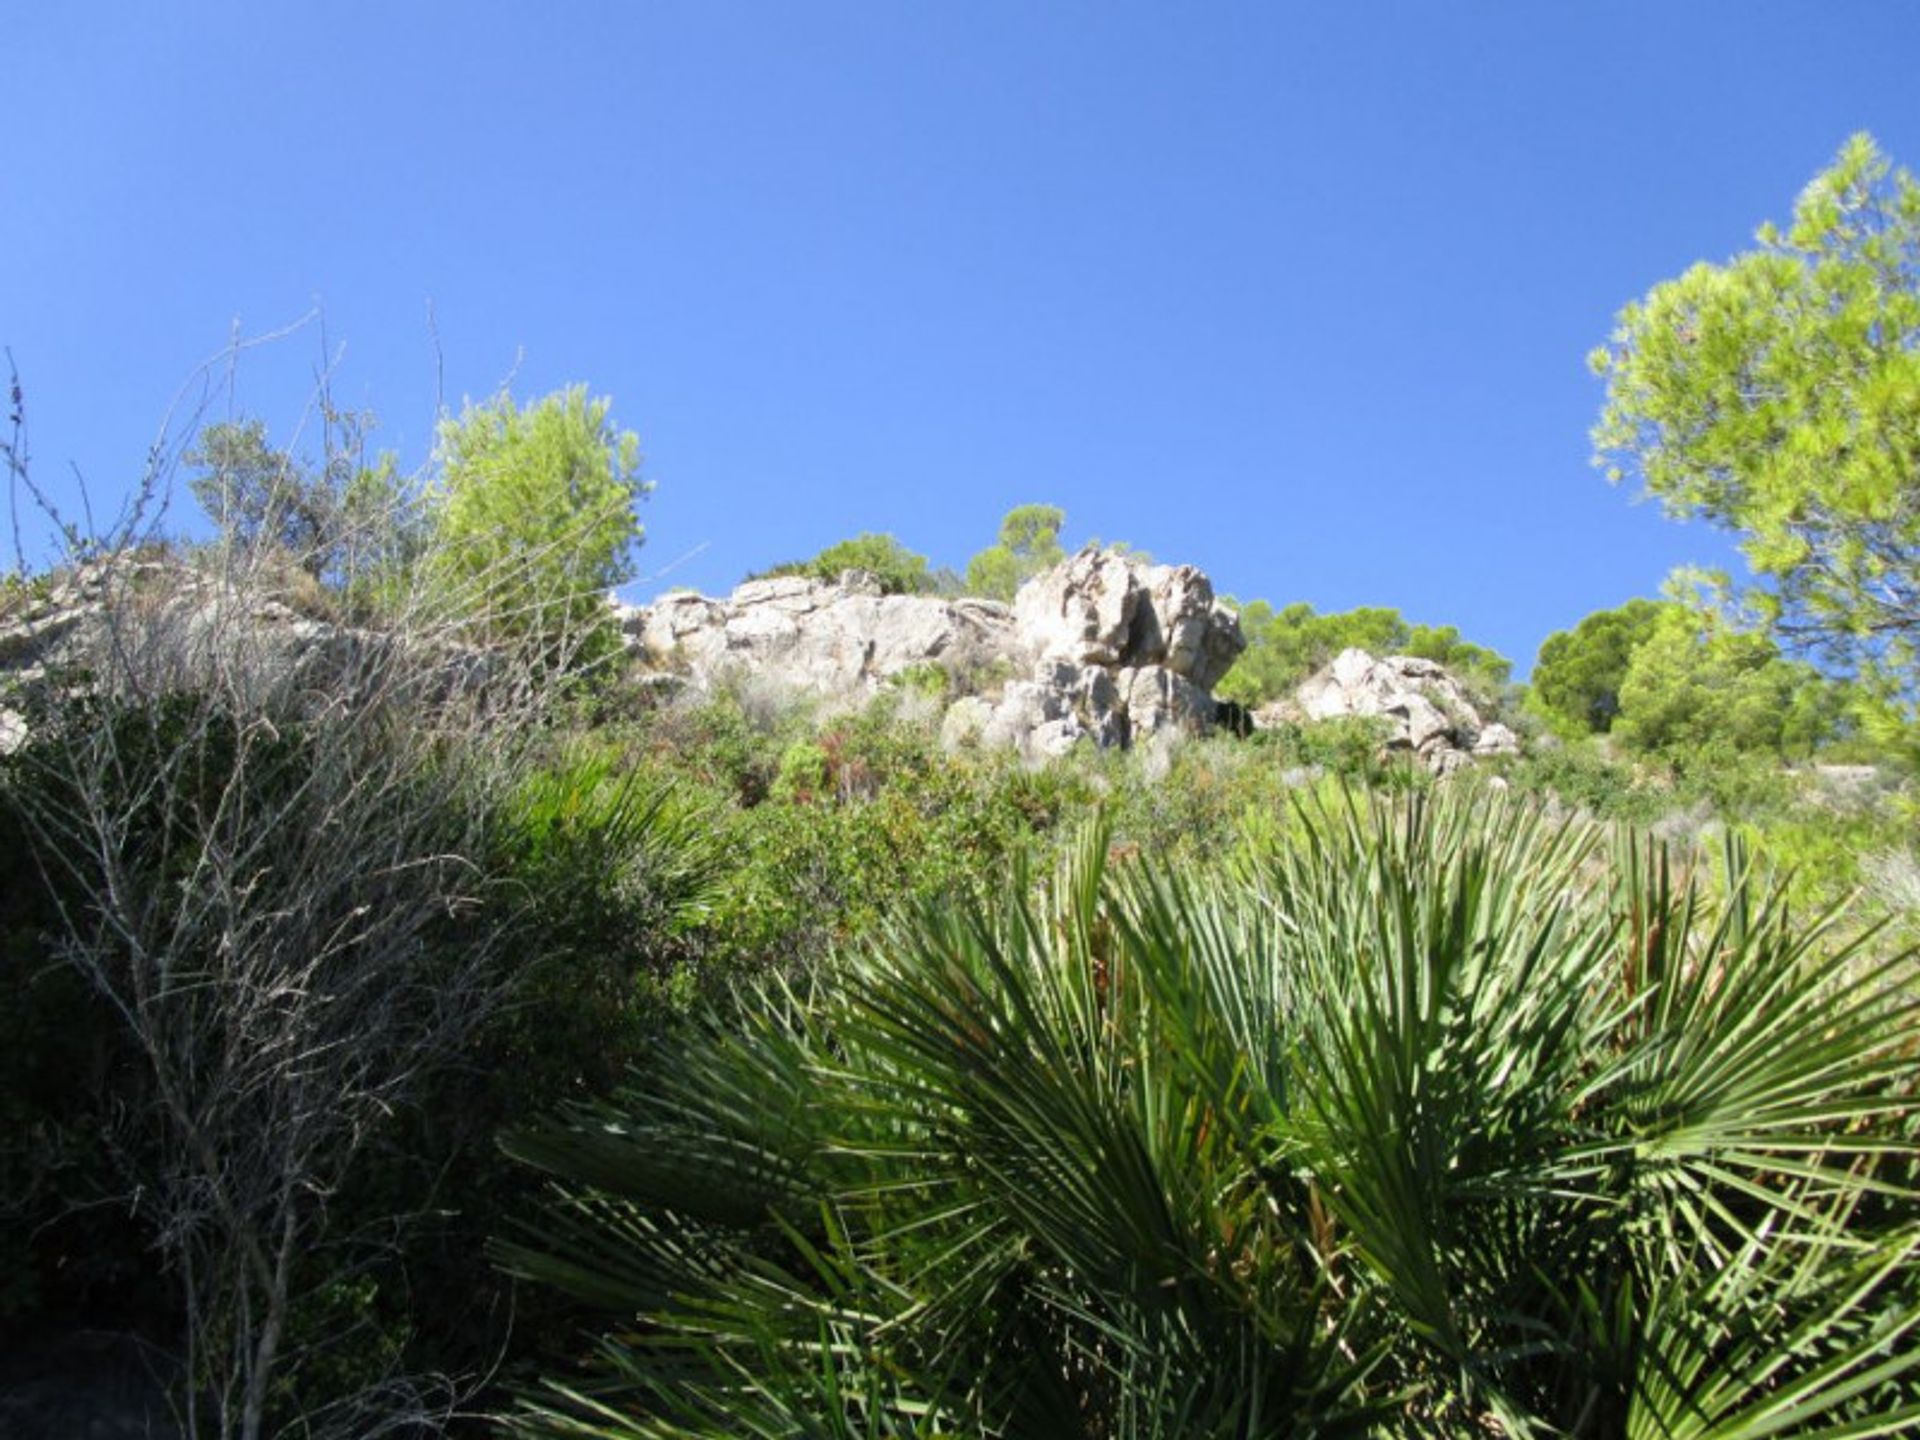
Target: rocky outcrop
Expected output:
[1101,648]
[1045,716]
[150,625]
[1100,608]
[1425,709]
[54,629]
[829,639]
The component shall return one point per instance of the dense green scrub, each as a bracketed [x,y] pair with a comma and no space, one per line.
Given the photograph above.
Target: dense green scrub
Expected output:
[1425,1118]
[639,863]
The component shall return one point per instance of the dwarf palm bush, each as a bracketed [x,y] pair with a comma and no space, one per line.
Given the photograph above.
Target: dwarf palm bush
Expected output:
[1439,1119]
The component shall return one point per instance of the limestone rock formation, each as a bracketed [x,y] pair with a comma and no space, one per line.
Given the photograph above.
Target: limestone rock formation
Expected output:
[1427,710]
[1100,648]
[151,624]
[1099,608]
[52,628]
[831,639]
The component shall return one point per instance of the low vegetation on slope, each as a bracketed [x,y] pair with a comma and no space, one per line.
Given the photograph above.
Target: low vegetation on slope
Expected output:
[1234,1084]
[1435,1118]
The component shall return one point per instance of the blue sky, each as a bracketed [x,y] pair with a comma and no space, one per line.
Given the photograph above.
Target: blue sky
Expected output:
[1301,294]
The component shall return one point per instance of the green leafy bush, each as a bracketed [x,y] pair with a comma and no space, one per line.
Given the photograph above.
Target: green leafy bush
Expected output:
[1588,778]
[865,818]
[932,680]
[803,773]
[1352,747]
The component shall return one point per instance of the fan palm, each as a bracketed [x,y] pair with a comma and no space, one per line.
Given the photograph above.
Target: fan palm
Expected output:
[1440,1118]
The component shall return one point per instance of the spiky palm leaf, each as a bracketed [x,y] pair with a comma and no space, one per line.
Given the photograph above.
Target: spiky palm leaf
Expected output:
[1440,1118]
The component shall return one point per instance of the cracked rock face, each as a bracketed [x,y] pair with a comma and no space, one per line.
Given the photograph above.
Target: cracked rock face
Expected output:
[1100,648]
[828,639]
[1097,608]
[1427,710]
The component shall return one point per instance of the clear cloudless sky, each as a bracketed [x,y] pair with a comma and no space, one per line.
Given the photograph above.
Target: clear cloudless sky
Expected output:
[1299,293]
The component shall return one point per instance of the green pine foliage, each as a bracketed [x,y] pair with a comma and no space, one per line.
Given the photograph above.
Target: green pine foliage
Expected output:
[1694,691]
[534,513]
[1777,396]
[1029,542]
[1576,680]
[1285,646]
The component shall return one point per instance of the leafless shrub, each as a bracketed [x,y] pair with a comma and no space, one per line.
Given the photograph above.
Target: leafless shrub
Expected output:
[1893,879]
[266,837]
[768,703]
[1687,825]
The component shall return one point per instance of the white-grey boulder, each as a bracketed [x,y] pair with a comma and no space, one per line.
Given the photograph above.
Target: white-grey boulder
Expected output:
[1426,709]
[1159,700]
[1496,739]
[1082,610]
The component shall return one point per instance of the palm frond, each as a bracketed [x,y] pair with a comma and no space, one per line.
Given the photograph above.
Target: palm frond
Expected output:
[1438,1117]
